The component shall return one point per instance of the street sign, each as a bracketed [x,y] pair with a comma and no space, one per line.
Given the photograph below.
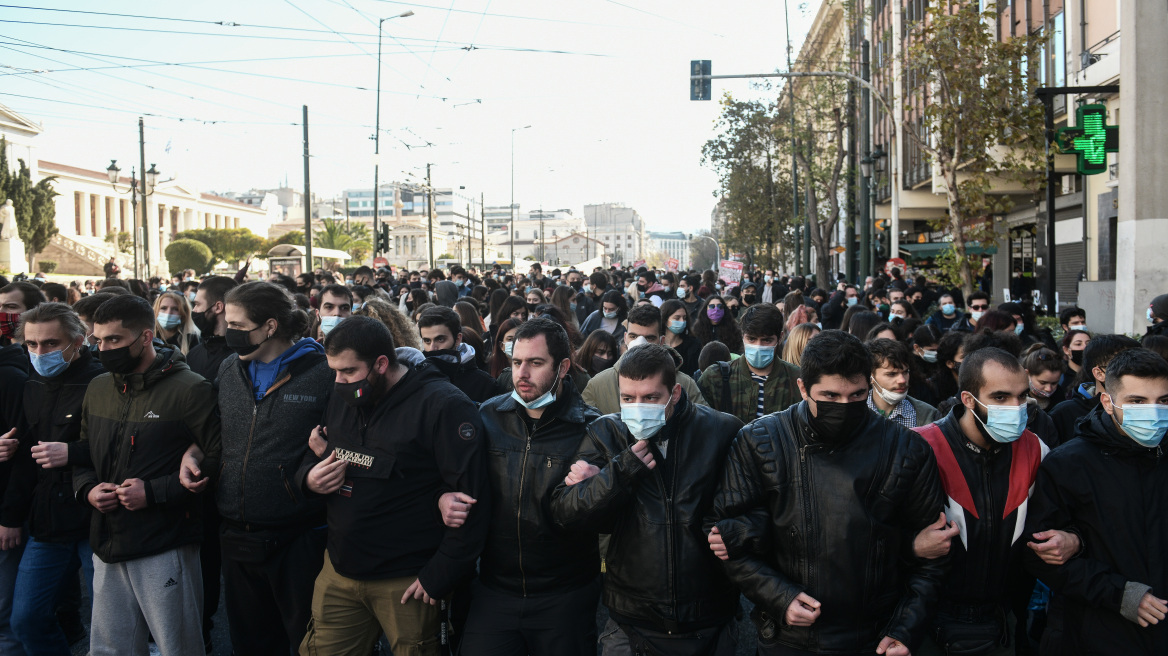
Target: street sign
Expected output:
[379,262]
[893,262]
[672,264]
[699,87]
[1091,139]
[839,249]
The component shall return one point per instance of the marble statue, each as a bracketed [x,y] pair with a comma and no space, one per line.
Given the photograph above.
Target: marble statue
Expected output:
[8,221]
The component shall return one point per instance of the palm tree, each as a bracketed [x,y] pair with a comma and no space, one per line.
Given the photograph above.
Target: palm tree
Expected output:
[354,239]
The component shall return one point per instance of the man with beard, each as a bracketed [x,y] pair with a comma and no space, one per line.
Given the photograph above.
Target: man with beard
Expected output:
[398,436]
[815,513]
[538,584]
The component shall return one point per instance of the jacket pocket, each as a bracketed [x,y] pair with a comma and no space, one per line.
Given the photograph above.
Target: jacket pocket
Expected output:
[288,484]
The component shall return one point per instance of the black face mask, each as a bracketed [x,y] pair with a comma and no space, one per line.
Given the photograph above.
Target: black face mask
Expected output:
[576,285]
[748,298]
[531,307]
[121,360]
[449,355]
[360,394]
[240,341]
[600,363]
[1077,356]
[836,422]
[205,324]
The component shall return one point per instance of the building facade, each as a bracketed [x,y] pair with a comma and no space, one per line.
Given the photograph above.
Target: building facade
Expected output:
[620,228]
[673,244]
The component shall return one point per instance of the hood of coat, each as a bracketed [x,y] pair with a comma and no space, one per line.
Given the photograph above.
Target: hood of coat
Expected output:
[447,293]
[14,356]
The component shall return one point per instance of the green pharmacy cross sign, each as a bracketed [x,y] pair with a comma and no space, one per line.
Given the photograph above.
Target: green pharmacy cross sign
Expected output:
[1091,139]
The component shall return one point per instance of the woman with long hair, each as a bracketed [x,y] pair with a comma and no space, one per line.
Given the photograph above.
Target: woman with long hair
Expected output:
[675,322]
[797,339]
[599,352]
[498,296]
[172,321]
[800,315]
[534,298]
[791,303]
[609,317]
[501,352]
[556,314]
[564,297]
[404,332]
[468,314]
[714,324]
[1045,369]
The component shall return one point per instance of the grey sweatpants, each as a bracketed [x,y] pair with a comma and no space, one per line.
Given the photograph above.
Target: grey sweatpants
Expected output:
[159,596]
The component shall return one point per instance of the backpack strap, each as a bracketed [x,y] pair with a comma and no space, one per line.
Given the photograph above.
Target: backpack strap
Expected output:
[726,404]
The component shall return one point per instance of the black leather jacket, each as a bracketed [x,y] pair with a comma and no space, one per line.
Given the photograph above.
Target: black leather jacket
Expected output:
[986,558]
[661,572]
[525,552]
[839,522]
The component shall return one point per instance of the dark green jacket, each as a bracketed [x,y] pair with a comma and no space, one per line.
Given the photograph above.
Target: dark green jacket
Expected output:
[780,392]
[139,426]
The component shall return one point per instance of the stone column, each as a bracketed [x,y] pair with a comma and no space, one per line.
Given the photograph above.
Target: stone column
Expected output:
[86,225]
[1141,268]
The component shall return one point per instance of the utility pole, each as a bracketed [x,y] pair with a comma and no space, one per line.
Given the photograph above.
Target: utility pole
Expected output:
[865,184]
[794,167]
[483,227]
[307,201]
[430,214]
[145,198]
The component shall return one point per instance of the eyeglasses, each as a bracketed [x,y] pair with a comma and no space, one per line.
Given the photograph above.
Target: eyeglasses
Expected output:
[979,307]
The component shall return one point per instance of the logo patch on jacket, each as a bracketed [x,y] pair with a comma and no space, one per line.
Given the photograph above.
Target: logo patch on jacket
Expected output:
[150,415]
[353,458]
[299,398]
[466,431]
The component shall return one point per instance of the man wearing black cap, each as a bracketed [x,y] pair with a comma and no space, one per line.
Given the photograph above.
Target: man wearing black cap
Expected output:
[1158,315]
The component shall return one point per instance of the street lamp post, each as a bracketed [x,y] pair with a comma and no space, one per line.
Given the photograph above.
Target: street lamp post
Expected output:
[513,131]
[377,135]
[151,178]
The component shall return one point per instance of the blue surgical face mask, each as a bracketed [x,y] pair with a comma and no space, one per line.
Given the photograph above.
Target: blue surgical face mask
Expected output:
[508,347]
[610,315]
[948,308]
[169,321]
[644,420]
[681,292]
[190,295]
[853,300]
[51,364]
[1004,423]
[665,288]
[587,288]
[546,399]
[1151,317]
[328,323]
[929,356]
[677,327]
[1018,328]
[768,278]
[357,306]
[759,357]
[1081,327]
[1145,423]
[976,315]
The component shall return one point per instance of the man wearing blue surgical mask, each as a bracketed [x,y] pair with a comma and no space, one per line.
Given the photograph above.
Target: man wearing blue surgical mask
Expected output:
[758,383]
[58,533]
[647,475]
[947,314]
[336,305]
[1108,485]
[988,461]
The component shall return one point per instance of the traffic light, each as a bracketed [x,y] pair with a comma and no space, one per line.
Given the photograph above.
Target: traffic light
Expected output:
[881,244]
[383,239]
[699,80]
[1091,139]
[882,224]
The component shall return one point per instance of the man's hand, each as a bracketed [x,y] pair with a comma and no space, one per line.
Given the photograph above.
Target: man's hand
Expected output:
[580,472]
[1152,610]
[641,450]
[933,541]
[10,538]
[418,592]
[803,611]
[8,444]
[1055,547]
[103,497]
[51,454]
[455,508]
[327,476]
[717,545]
[892,647]
[190,475]
[132,493]
[317,441]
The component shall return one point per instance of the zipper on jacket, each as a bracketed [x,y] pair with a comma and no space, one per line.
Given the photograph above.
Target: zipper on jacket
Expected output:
[287,485]
[670,544]
[808,517]
[117,450]
[255,409]
[519,506]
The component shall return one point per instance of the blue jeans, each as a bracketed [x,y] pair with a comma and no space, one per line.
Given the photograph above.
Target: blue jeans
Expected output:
[9,562]
[44,567]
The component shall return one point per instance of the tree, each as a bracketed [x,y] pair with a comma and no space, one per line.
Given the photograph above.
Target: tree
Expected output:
[295,237]
[977,122]
[183,254]
[123,241]
[33,204]
[337,234]
[226,244]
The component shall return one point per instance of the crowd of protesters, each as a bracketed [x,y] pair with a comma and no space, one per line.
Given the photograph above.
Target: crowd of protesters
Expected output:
[472,461]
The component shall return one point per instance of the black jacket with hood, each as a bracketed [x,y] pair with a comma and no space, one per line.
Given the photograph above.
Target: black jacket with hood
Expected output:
[661,573]
[463,372]
[526,552]
[44,497]
[1111,491]
[423,438]
[139,426]
[840,515]
[14,369]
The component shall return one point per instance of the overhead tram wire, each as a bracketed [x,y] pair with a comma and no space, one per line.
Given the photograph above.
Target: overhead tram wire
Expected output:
[399,41]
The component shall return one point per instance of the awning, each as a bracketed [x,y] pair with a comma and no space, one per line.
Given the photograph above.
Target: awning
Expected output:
[296,250]
[933,249]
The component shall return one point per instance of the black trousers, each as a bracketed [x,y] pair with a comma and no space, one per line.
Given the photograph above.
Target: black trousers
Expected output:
[269,603]
[210,561]
[557,624]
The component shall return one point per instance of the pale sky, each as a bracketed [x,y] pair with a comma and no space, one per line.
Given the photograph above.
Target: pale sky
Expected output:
[604,85]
